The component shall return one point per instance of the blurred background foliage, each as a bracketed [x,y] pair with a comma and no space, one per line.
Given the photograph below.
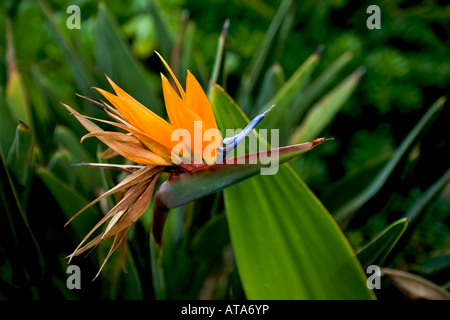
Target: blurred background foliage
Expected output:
[405,71]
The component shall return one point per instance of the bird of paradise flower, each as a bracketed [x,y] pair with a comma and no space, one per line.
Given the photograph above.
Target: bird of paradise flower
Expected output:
[148,142]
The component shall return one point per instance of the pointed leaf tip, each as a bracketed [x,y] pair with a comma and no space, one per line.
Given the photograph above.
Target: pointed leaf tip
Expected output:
[319,50]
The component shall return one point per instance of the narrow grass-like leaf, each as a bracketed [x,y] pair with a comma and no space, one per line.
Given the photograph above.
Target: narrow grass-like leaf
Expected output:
[52,93]
[252,74]
[80,68]
[345,214]
[324,111]
[181,51]
[16,96]
[130,286]
[18,243]
[286,244]
[219,62]
[164,37]
[312,91]
[115,60]
[434,265]
[376,251]
[415,287]
[69,200]
[41,114]
[283,33]
[106,178]
[87,177]
[7,125]
[273,81]
[59,164]
[418,207]
[212,238]
[291,89]
[159,283]
[336,195]
[19,155]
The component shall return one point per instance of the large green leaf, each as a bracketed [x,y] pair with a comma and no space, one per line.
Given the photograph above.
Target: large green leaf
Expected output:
[286,244]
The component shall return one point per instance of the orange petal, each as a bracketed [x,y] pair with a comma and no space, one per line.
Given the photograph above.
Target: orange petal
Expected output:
[198,102]
[127,146]
[180,88]
[181,117]
[179,114]
[116,102]
[139,116]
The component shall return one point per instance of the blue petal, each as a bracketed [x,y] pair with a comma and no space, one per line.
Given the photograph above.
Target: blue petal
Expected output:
[233,141]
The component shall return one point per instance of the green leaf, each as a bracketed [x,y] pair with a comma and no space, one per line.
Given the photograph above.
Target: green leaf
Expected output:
[212,238]
[19,155]
[7,126]
[376,251]
[60,163]
[159,283]
[219,62]
[87,177]
[291,89]
[313,90]
[81,69]
[114,58]
[286,244]
[273,81]
[324,111]
[256,65]
[433,265]
[41,112]
[16,96]
[181,52]
[418,207]
[344,190]
[345,214]
[164,37]
[69,201]
[128,287]
[17,242]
